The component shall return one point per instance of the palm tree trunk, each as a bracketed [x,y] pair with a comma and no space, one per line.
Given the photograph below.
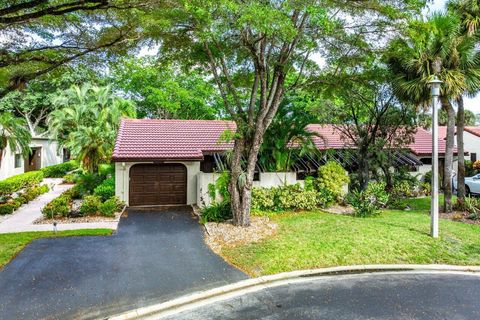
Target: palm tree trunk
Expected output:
[447,205]
[460,148]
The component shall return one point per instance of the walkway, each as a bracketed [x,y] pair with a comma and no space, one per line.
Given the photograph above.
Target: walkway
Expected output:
[23,219]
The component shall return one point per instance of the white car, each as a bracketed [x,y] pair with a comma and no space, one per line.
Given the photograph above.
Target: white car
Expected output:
[472,184]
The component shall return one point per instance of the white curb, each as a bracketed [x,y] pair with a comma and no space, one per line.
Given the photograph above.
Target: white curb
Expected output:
[259,283]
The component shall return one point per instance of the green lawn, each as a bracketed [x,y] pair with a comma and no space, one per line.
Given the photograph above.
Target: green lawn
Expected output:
[316,239]
[12,243]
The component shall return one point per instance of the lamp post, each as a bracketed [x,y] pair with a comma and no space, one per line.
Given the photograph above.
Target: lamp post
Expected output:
[435,92]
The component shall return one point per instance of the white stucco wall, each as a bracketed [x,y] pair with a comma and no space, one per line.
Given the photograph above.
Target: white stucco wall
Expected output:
[472,144]
[267,180]
[122,179]
[49,156]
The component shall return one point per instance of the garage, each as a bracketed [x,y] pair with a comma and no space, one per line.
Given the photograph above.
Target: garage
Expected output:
[158,184]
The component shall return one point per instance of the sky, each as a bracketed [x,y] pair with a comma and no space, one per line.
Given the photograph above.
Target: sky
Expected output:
[472,104]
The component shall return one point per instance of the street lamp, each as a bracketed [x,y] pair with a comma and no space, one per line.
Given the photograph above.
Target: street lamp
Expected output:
[435,92]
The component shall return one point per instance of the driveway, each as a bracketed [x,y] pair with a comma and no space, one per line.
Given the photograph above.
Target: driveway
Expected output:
[153,257]
[400,296]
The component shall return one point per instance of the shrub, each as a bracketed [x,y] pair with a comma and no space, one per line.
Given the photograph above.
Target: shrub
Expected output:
[110,206]
[476,165]
[87,182]
[263,199]
[69,178]
[368,202]
[332,177]
[20,181]
[217,212]
[106,189]
[90,205]
[106,170]
[7,208]
[59,170]
[33,192]
[58,207]
[290,197]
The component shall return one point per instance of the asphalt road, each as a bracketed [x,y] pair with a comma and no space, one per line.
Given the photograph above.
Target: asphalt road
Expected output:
[153,257]
[374,296]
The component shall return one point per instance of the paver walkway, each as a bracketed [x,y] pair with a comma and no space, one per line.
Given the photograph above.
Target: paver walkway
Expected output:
[23,219]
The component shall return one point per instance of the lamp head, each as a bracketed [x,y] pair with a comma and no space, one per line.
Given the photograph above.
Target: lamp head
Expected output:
[435,86]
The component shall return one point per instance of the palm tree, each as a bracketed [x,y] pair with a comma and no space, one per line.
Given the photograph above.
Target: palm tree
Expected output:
[86,121]
[436,48]
[469,13]
[14,133]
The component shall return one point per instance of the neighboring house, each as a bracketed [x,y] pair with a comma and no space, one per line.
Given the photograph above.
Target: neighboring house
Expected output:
[45,153]
[471,141]
[417,156]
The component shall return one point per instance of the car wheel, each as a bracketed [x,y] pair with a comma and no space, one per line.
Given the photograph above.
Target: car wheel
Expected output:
[467,190]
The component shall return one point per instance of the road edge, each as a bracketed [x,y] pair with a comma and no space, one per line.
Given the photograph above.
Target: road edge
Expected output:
[160,308]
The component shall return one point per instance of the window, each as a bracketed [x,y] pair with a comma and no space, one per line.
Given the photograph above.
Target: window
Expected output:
[473,157]
[18,160]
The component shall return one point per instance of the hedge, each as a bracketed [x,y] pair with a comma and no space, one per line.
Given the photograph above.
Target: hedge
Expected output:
[20,181]
[59,170]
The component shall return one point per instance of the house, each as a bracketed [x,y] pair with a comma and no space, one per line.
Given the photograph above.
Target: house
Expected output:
[417,155]
[172,162]
[45,152]
[471,141]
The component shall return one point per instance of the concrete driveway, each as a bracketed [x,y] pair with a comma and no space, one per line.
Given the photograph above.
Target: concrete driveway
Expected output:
[394,296]
[153,257]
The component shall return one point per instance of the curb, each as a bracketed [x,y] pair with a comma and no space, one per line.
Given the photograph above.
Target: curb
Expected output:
[194,298]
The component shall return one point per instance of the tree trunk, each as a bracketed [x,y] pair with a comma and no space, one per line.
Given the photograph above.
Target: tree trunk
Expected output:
[447,205]
[388,177]
[364,172]
[460,148]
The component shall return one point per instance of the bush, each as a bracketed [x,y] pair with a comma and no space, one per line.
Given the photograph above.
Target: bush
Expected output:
[332,177]
[87,182]
[106,170]
[59,170]
[470,205]
[369,201]
[106,189]
[33,192]
[69,178]
[58,207]
[217,212]
[109,207]
[7,208]
[290,197]
[90,205]
[20,181]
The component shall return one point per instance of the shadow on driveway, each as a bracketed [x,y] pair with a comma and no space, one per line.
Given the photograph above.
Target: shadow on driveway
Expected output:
[154,257]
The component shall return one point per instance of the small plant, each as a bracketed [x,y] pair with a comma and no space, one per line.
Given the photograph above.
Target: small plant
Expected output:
[7,208]
[109,207]
[86,183]
[58,207]
[69,178]
[369,201]
[106,189]
[217,212]
[90,205]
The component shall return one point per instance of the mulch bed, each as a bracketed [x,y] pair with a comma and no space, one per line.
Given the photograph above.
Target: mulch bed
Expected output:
[225,234]
[459,216]
[85,219]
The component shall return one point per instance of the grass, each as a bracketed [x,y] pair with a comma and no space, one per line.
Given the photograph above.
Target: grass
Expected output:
[12,243]
[316,239]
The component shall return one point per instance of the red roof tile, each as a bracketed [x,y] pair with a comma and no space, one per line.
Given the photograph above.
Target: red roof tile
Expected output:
[330,137]
[473,130]
[149,139]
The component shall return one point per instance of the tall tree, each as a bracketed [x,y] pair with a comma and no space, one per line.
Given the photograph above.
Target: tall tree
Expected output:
[13,134]
[469,12]
[41,36]
[256,51]
[164,91]
[436,48]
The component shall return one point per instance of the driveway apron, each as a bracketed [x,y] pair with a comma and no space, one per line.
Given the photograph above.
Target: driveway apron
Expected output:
[153,257]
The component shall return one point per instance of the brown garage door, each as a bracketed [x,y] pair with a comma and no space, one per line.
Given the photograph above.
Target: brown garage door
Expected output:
[158,184]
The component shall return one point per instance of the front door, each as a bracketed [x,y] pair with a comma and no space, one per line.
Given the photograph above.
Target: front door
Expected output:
[34,160]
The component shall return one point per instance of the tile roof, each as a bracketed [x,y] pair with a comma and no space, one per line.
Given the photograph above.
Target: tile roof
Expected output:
[151,139]
[330,138]
[473,130]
